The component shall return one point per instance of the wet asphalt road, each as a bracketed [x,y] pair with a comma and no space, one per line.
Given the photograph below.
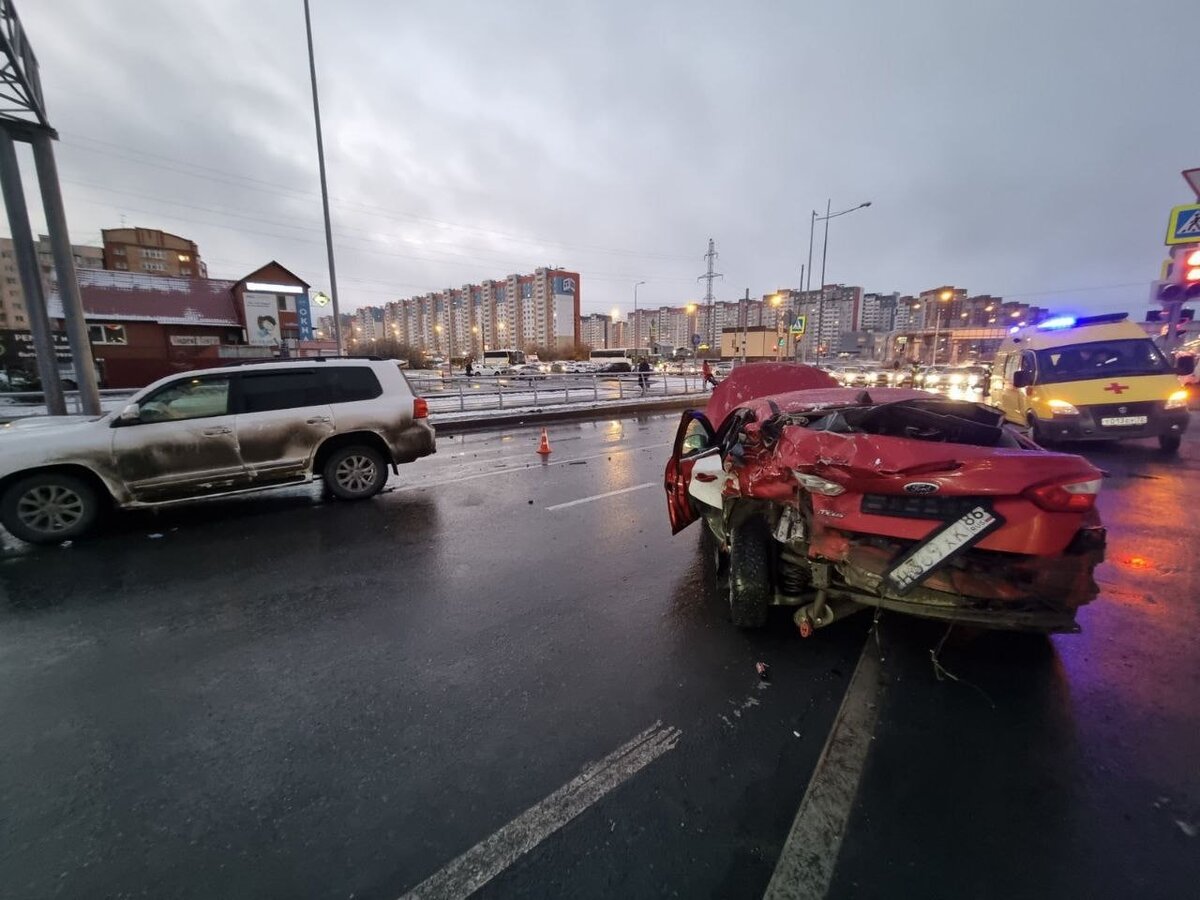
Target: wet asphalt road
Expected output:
[278,696]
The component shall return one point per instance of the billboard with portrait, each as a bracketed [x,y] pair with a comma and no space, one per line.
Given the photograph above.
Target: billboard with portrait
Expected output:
[262,319]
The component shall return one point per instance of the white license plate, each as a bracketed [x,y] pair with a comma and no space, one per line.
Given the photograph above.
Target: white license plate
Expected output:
[952,538]
[1123,420]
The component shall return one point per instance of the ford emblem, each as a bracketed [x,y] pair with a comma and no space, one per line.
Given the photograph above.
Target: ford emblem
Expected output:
[920,487]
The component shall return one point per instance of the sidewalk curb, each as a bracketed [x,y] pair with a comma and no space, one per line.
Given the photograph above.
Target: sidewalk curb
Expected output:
[501,419]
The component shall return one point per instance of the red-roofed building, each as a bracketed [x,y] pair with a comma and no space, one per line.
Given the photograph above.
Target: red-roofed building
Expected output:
[143,327]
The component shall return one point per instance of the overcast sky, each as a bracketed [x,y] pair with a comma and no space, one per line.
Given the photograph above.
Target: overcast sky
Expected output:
[1030,149]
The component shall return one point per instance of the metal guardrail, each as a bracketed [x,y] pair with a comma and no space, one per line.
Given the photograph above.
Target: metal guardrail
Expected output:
[34,400]
[451,393]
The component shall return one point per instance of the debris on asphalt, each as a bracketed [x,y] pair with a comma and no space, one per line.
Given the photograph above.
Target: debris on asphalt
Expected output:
[763,670]
[796,733]
[156,534]
[1186,827]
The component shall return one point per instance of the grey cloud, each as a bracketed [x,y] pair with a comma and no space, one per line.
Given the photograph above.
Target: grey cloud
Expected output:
[1013,147]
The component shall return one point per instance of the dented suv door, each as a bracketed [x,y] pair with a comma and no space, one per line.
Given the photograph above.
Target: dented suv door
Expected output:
[183,443]
[282,417]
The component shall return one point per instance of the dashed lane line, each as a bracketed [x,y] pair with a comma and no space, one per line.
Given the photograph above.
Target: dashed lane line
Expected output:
[467,873]
[806,865]
[636,487]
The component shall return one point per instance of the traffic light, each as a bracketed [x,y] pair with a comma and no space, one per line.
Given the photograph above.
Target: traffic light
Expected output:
[1191,271]
[1182,281]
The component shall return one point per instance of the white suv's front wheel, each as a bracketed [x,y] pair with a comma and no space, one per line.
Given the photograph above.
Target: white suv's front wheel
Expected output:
[49,507]
[355,472]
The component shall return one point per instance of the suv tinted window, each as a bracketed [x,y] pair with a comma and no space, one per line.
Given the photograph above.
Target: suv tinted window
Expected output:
[350,383]
[282,390]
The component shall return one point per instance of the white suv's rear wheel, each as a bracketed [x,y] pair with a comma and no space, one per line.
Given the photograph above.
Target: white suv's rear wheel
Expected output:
[49,507]
[355,473]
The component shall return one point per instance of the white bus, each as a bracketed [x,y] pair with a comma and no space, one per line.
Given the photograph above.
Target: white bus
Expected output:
[495,362]
[622,354]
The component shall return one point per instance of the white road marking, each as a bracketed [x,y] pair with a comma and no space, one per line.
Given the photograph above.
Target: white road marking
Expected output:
[532,465]
[636,487]
[466,874]
[805,867]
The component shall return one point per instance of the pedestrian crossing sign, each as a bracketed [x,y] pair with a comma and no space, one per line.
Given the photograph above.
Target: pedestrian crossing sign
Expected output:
[798,325]
[1184,225]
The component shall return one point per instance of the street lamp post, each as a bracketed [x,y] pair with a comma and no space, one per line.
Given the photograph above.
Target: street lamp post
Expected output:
[333,290]
[637,321]
[824,253]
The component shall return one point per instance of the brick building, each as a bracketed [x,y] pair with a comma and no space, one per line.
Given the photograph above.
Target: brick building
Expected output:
[153,252]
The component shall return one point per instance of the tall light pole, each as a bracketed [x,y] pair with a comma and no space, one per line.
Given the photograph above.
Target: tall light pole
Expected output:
[824,252]
[812,227]
[637,322]
[312,72]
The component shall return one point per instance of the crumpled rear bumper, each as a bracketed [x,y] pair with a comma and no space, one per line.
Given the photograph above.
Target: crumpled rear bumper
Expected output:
[993,590]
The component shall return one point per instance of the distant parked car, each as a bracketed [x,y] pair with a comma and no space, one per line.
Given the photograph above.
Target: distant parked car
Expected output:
[619,366]
[211,433]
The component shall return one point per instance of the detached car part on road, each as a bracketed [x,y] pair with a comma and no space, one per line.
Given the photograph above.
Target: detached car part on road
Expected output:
[210,433]
[835,499]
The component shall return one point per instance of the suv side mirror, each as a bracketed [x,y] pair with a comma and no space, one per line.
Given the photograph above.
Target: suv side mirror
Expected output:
[130,414]
[1022,378]
[1185,365]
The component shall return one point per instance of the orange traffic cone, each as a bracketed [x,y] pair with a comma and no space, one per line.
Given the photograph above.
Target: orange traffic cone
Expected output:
[544,444]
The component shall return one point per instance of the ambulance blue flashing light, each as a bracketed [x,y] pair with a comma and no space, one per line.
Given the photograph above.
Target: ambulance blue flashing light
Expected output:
[1057,322]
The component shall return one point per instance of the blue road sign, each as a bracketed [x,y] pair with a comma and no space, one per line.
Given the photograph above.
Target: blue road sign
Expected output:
[695,340]
[1184,225]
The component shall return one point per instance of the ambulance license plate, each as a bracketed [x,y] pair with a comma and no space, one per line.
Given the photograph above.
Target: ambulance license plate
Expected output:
[955,537]
[1117,421]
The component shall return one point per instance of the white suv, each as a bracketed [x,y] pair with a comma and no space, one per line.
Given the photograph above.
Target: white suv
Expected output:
[213,432]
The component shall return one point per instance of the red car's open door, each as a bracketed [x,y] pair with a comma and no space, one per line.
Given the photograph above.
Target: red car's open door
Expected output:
[695,435]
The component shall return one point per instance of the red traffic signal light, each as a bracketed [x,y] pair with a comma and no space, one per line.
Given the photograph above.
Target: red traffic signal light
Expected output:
[1191,266]
[1182,283]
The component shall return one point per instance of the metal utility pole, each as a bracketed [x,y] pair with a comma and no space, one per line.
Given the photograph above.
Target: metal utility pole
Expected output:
[68,282]
[821,299]
[23,118]
[31,278]
[708,277]
[333,290]
[798,340]
[824,252]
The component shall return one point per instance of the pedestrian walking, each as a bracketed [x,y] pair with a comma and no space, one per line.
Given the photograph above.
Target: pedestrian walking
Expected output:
[707,372]
[470,370]
[643,368]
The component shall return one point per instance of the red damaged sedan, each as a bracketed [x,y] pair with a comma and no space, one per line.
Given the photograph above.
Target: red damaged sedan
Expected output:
[836,499]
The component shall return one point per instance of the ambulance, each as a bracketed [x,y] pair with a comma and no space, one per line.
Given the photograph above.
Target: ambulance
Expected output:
[1095,378]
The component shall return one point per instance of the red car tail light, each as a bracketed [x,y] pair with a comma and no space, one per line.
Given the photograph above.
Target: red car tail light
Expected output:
[420,408]
[1065,496]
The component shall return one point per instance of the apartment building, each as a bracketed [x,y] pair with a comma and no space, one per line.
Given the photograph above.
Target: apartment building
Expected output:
[539,309]
[152,252]
[12,297]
